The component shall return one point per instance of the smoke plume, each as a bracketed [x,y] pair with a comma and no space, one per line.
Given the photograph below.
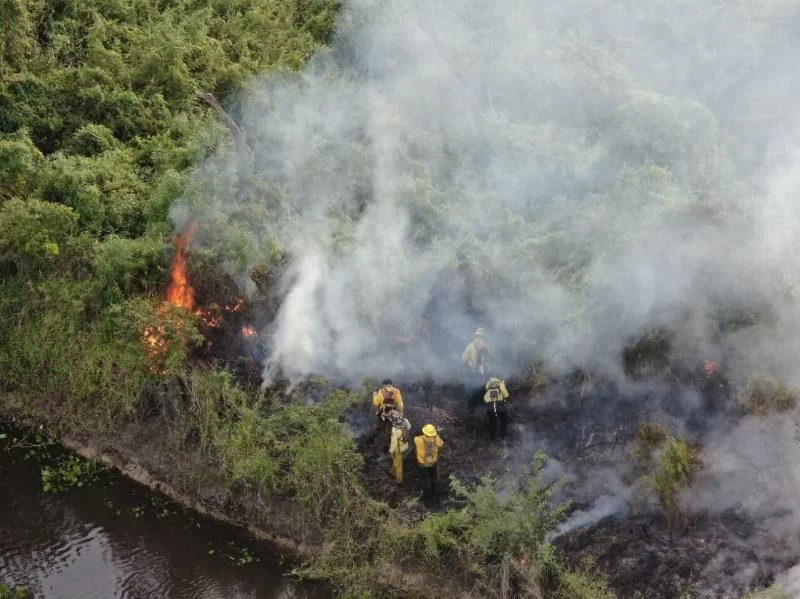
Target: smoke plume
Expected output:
[567,175]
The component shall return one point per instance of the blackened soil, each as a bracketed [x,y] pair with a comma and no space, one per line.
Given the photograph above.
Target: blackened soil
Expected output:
[587,426]
[708,556]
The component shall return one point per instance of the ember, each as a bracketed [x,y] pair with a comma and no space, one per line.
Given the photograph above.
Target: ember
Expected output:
[710,368]
[154,341]
[248,331]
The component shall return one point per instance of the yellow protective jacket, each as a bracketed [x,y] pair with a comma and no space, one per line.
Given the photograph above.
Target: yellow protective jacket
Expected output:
[471,353]
[428,449]
[379,398]
[396,444]
[493,383]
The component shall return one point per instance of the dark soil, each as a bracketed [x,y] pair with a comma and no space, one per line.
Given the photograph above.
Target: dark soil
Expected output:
[712,556]
[585,427]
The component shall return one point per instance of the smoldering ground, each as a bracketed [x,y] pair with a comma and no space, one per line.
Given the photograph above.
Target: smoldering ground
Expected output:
[570,176]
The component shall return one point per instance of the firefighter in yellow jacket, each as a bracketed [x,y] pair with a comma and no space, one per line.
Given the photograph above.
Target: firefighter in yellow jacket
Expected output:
[387,398]
[398,445]
[428,445]
[495,399]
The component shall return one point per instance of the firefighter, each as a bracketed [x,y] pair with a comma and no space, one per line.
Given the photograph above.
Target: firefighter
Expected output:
[476,357]
[428,446]
[495,398]
[398,445]
[387,398]
[476,354]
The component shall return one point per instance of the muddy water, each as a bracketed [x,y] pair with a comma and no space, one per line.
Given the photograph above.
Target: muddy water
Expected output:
[114,539]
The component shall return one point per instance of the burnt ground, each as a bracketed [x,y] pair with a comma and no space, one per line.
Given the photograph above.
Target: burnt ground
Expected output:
[712,556]
[587,429]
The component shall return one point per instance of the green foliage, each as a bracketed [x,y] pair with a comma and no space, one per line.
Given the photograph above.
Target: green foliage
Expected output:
[286,453]
[650,353]
[763,395]
[32,234]
[162,334]
[104,191]
[7,592]
[108,64]
[773,592]
[121,267]
[70,471]
[93,372]
[501,542]
[92,140]
[676,464]
[19,158]
[666,464]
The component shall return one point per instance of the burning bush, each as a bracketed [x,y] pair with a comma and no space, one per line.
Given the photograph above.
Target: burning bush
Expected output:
[167,333]
[168,328]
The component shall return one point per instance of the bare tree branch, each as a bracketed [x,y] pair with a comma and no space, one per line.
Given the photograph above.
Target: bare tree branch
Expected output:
[242,149]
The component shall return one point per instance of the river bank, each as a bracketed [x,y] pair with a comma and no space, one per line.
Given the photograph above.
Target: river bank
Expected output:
[343,535]
[112,537]
[142,456]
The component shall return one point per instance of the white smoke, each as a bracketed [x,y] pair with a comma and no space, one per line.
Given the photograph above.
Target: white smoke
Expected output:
[514,167]
[603,507]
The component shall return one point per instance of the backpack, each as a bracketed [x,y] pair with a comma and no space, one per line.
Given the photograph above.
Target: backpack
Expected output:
[430,451]
[388,398]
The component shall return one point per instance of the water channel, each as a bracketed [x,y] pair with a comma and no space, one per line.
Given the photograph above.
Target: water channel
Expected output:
[115,539]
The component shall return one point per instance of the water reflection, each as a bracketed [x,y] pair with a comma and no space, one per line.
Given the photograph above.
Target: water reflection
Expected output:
[104,543]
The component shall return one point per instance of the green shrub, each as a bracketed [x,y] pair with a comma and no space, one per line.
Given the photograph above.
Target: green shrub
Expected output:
[676,464]
[773,592]
[650,353]
[763,395]
[298,450]
[7,592]
[19,159]
[32,234]
[665,464]
[104,190]
[123,266]
[91,140]
[501,543]
[648,438]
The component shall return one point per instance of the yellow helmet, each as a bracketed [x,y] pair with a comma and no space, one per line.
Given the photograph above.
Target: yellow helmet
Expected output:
[429,430]
[479,332]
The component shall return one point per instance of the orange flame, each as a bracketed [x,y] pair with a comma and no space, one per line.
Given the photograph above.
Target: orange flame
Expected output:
[180,291]
[710,367]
